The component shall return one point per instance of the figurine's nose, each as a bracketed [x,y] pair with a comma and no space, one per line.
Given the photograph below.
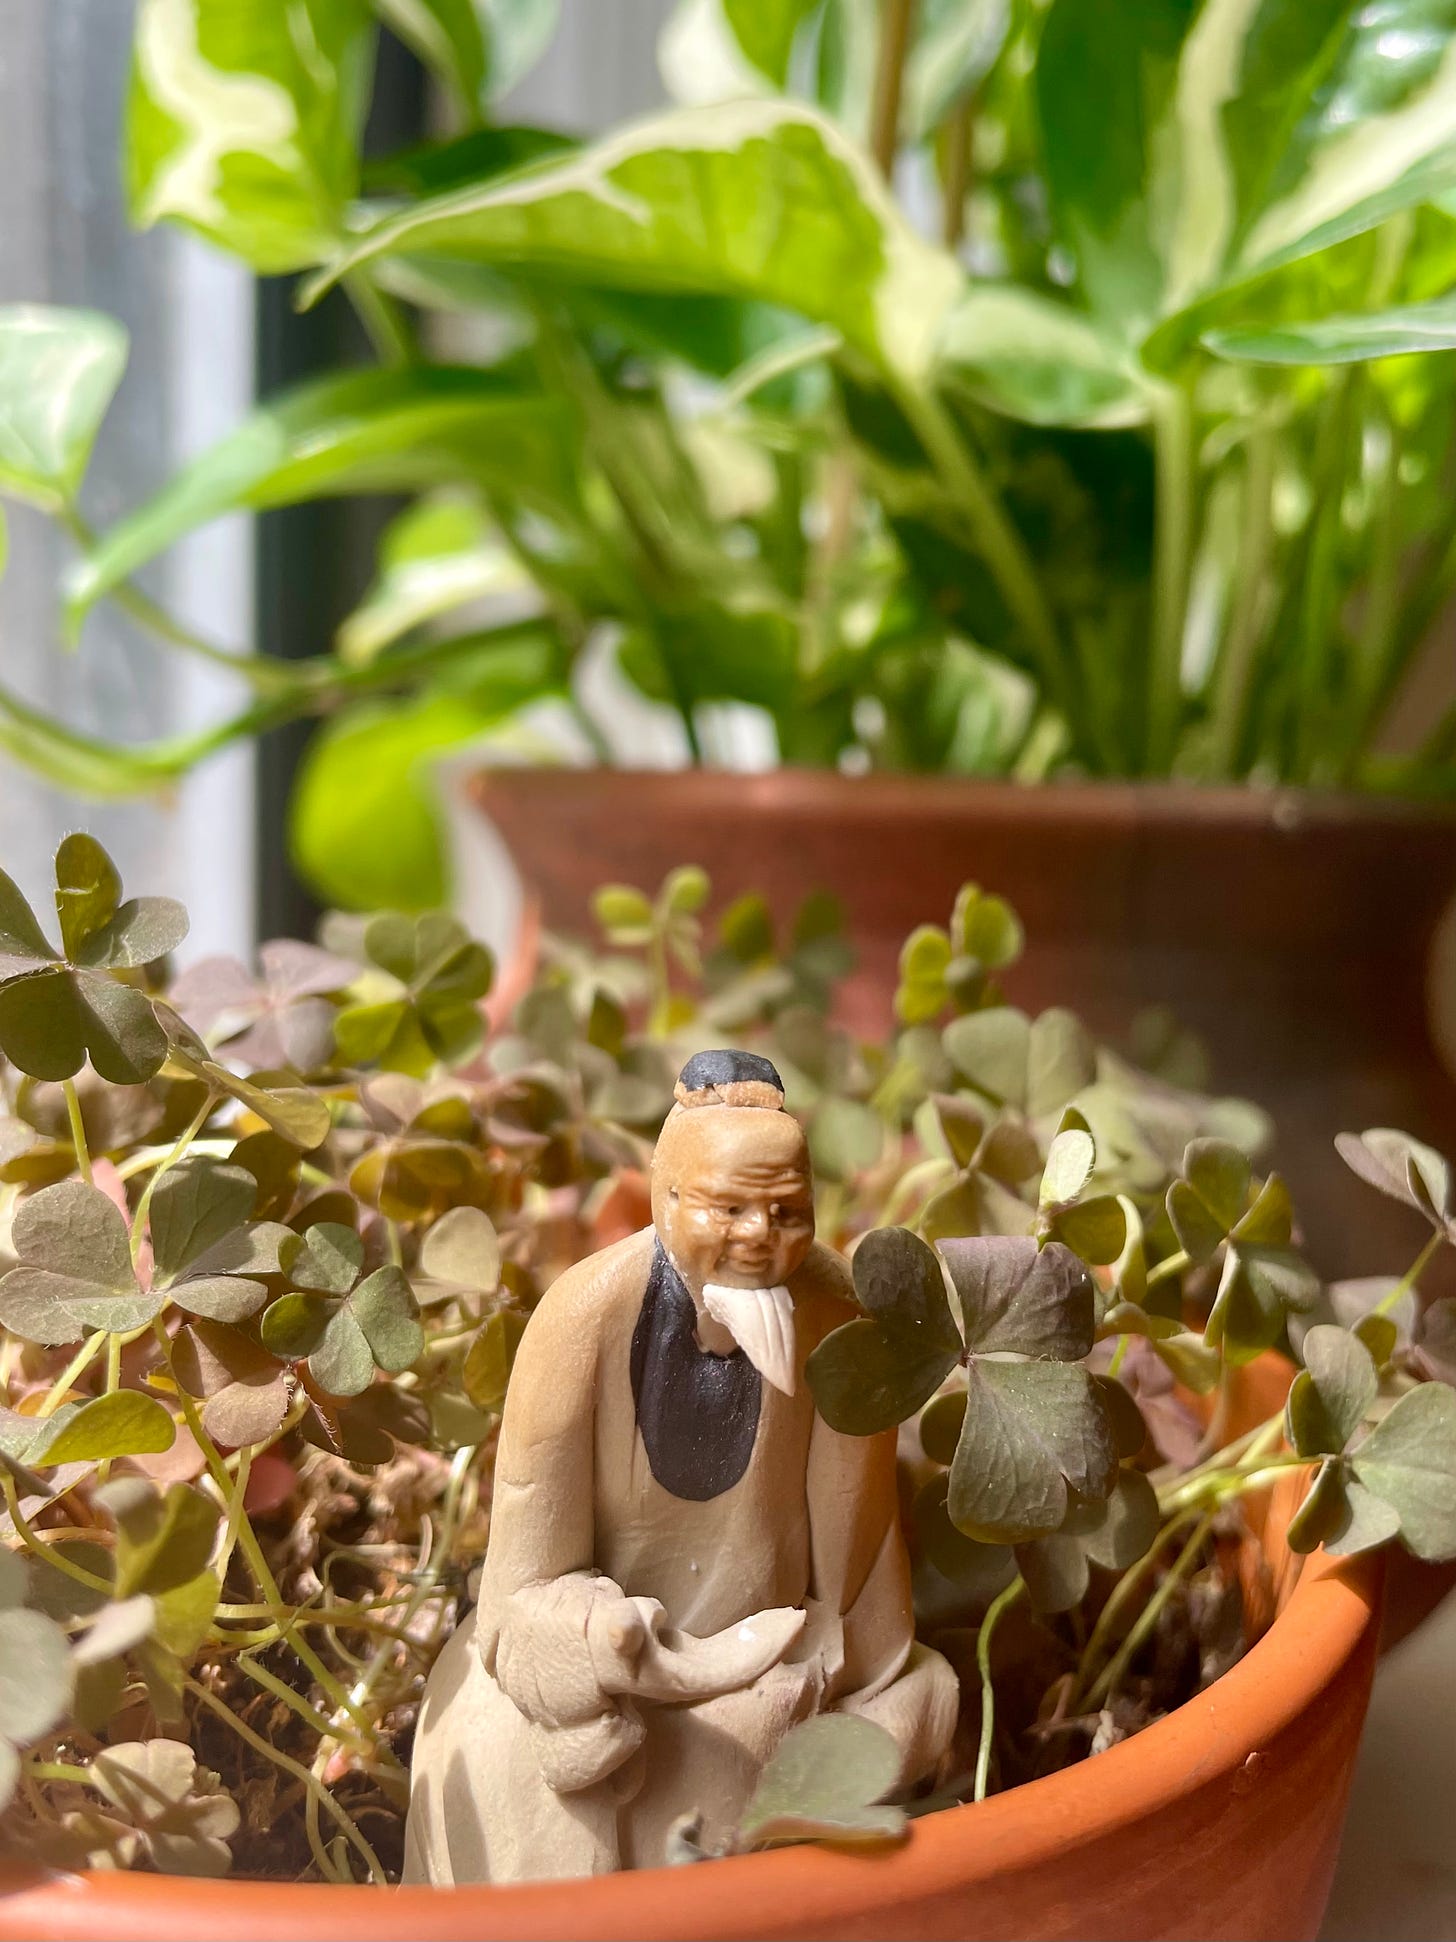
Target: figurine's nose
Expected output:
[751,1223]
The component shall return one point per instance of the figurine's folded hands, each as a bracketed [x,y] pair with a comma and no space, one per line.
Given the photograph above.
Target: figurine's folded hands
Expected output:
[574,1653]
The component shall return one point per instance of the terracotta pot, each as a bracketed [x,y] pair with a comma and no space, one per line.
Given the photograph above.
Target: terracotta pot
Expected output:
[1221,1821]
[1293,932]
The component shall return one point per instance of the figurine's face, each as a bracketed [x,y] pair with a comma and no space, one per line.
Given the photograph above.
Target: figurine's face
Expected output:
[733,1197]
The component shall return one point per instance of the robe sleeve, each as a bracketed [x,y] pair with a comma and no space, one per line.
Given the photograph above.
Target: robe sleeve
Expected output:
[546,1617]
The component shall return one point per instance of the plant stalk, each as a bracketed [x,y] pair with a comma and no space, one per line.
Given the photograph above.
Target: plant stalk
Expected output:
[78,1130]
[1001,1603]
[1172,559]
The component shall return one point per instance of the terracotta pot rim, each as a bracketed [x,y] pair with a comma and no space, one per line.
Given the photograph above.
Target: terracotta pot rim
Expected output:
[1333,1609]
[1282,808]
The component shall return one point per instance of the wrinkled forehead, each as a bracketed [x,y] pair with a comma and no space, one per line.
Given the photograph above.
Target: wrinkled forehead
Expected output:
[712,1147]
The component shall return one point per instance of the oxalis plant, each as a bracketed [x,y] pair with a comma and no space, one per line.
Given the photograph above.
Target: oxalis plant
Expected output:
[988,386]
[269,1238]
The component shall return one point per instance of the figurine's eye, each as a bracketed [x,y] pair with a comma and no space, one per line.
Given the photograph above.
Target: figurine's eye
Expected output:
[734,1211]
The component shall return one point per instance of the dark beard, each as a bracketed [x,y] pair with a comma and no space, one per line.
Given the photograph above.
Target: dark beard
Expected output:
[697,1412]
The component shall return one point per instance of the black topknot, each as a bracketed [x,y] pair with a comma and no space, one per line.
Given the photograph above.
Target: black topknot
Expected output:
[727,1068]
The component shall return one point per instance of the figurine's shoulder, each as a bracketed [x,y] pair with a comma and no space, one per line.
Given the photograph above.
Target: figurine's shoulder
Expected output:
[823,1292]
[593,1287]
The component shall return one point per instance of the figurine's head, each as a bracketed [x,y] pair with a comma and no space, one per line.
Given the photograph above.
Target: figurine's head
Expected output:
[732,1190]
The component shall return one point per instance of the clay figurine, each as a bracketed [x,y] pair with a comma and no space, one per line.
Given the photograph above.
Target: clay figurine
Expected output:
[684,1559]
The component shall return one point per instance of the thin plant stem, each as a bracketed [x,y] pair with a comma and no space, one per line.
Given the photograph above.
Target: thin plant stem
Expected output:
[48,1553]
[1411,1276]
[1172,556]
[1117,1599]
[78,1130]
[1001,1603]
[259,669]
[314,1787]
[897,18]
[1236,663]
[1000,544]
[955,174]
[77,1366]
[1147,1618]
[384,320]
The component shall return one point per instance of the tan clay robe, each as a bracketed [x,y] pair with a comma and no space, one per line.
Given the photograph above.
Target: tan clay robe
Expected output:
[812,1522]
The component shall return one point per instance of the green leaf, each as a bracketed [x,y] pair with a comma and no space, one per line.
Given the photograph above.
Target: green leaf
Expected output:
[439,554]
[294,1325]
[956,43]
[23,945]
[88,890]
[463,1250]
[326,1257]
[342,1363]
[244,119]
[490,1358]
[35,1676]
[54,1020]
[978,1570]
[1095,1229]
[1034,1431]
[1069,1163]
[685,891]
[1206,1204]
[1038,361]
[824,1779]
[765,30]
[449,37]
[755,199]
[845,1137]
[162,1539]
[123,1423]
[366,824]
[1188,151]
[75,1269]
[1332,1395]
[1324,1511]
[1409,1462]
[872,1373]
[1023,1299]
[385,1308]
[358,432]
[1351,339]
[1404,1168]
[195,1204]
[58,370]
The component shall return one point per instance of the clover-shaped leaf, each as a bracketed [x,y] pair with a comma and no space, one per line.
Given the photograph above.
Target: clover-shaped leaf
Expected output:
[206,1252]
[1036,1433]
[462,1251]
[941,967]
[35,1674]
[1205,1205]
[1113,1534]
[824,1780]
[1016,1297]
[75,1270]
[428,1013]
[164,1539]
[875,1371]
[1264,1279]
[1331,1396]
[1408,1461]
[1094,1228]
[294,1112]
[176,1806]
[282,1018]
[1404,1168]
[59,1008]
[341,1326]
[243,1390]
[1035,1066]
[490,1358]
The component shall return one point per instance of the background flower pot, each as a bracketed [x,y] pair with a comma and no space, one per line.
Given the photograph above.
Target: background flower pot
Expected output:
[1293,932]
[1220,1821]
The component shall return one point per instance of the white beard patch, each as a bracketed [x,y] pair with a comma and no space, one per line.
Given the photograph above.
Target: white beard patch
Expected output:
[761,1322]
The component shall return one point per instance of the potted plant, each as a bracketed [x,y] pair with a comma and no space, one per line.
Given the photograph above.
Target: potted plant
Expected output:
[1136,472]
[273,1239]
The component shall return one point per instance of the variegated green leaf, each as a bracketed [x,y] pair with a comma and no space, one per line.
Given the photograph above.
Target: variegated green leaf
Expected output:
[243,122]
[755,199]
